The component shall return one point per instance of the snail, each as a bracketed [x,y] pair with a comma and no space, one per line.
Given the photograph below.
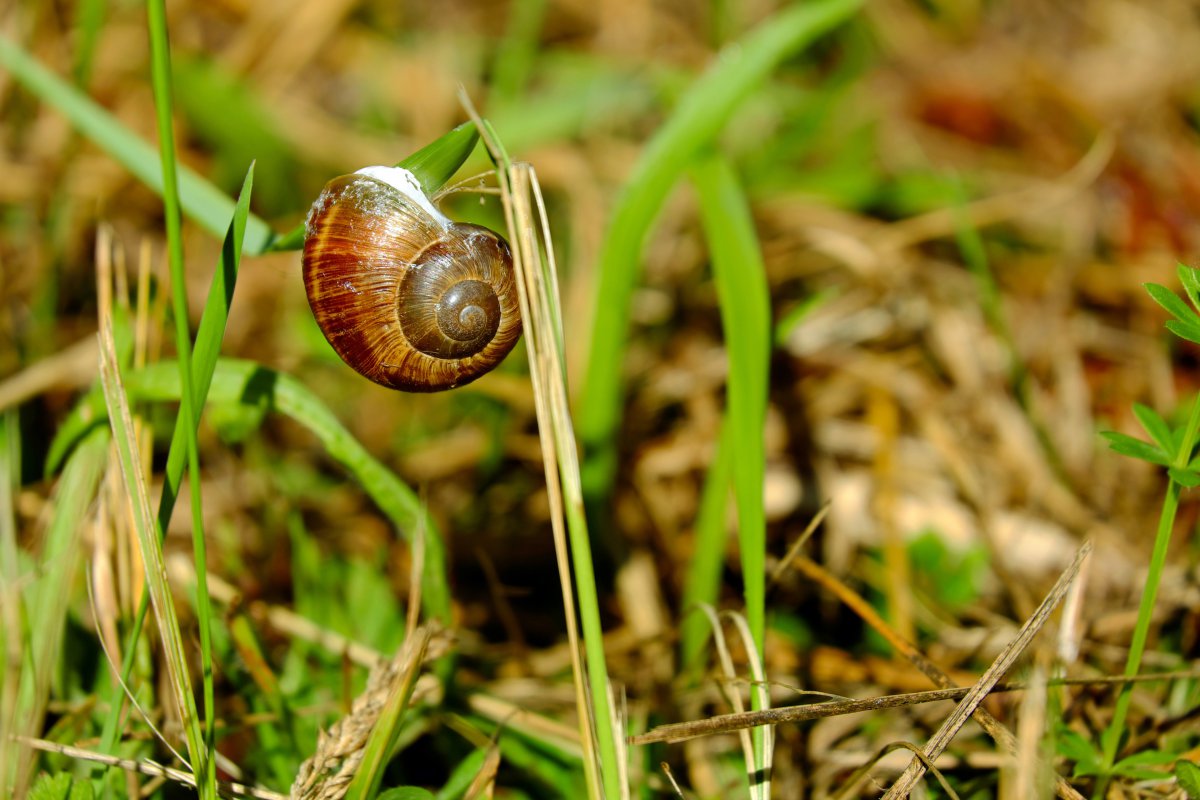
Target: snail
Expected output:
[406,297]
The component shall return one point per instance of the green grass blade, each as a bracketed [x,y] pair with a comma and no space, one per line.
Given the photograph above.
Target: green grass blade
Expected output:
[746,319]
[702,585]
[433,166]
[700,115]
[745,303]
[206,204]
[204,765]
[208,343]
[435,163]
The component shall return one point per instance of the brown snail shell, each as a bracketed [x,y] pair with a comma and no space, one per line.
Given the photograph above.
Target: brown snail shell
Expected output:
[406,297]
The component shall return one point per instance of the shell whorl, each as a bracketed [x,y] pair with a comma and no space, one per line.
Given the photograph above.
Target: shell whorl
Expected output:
[406,297]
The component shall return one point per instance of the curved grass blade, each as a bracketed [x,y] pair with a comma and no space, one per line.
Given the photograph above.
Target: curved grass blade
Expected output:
[203,202]
[248,383]
[206,204]
[699,117]
[433,165]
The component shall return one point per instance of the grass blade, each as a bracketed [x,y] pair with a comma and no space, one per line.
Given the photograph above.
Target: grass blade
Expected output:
[746,319]
[703,582]
[206,204]
[208,343]
[433,166]
[745,304]
[701,114]
[203,764]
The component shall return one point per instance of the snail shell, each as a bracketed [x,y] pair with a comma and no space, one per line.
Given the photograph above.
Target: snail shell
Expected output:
[406,297]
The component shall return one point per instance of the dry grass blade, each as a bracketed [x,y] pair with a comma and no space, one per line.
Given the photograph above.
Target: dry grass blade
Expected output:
[863,772]
[146,767]
[1028,778]
[995,672]
[731,723]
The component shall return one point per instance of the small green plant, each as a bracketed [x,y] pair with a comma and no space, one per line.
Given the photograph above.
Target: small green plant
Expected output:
[1175,449]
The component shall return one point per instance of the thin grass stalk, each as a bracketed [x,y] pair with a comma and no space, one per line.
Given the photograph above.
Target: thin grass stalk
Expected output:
[593,716]
[160,71]
[521,253]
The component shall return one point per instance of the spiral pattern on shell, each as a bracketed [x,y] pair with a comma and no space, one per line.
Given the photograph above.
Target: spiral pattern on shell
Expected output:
[406,297]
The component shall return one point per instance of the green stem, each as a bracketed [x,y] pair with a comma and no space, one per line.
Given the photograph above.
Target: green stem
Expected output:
[160,62]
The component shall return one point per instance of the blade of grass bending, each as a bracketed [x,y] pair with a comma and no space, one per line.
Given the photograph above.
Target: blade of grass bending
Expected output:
[156,574]
[209,335]
[251,384]
[537,284]
[206,204]
[189,412]
[433,166]
[744,300]
[700,115]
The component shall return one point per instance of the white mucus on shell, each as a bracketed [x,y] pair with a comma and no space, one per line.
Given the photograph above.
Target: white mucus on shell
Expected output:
[407,184]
